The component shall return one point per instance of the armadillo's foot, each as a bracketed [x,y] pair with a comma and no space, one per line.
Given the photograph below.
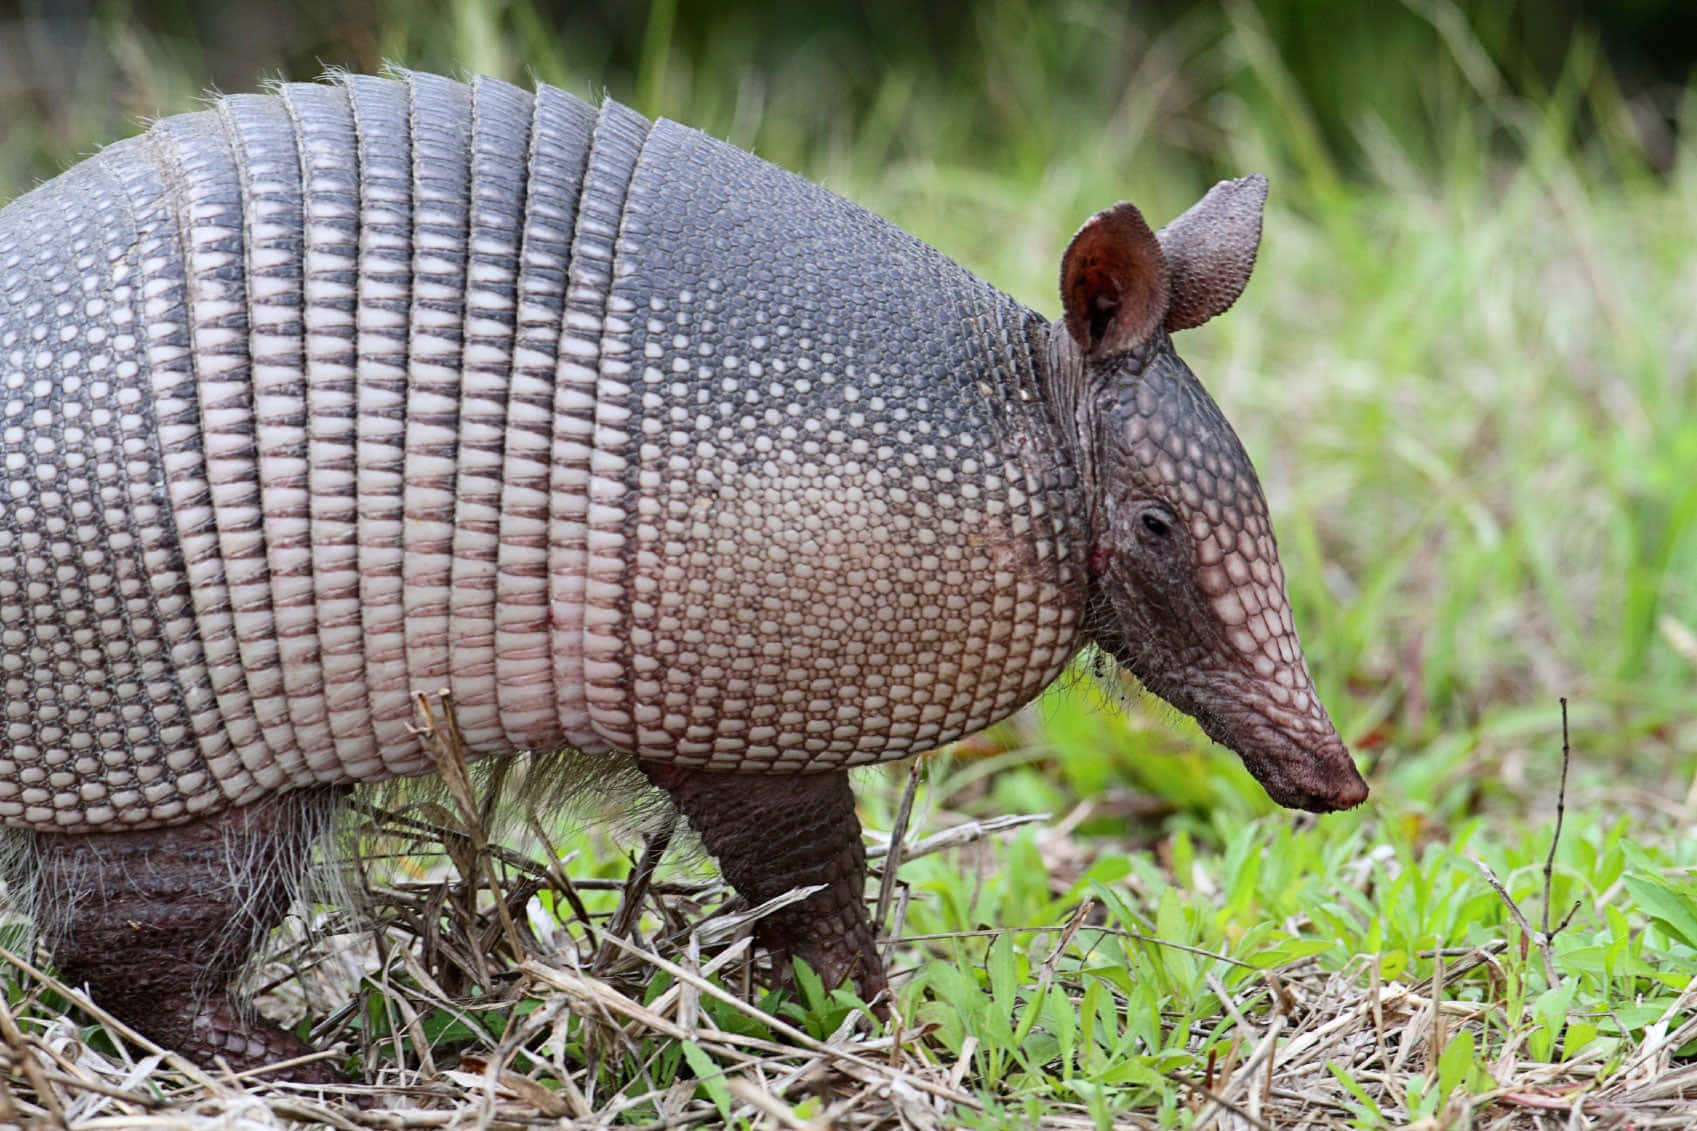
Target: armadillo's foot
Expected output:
[773,833]
[158,923]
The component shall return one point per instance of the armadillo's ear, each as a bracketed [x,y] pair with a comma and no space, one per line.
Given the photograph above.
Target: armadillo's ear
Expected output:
[1113,283]
[1211,250]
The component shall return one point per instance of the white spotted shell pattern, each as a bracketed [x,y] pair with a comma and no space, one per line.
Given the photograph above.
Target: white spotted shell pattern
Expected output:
[635,443]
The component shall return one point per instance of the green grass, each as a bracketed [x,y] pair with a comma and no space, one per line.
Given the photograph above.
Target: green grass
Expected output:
[1465,371]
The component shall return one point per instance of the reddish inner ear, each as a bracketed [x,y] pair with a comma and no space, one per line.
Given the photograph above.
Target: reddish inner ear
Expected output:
[1114,283]
[1097,294]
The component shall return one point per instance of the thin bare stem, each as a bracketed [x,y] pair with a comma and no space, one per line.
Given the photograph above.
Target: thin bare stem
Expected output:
[892,862]
[1561,812]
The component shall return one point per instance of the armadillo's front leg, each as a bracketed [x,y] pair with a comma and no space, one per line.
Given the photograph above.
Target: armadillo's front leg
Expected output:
[774,833]
[158,923]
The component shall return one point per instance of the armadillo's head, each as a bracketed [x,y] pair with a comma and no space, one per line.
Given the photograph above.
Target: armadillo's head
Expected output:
[1187,591]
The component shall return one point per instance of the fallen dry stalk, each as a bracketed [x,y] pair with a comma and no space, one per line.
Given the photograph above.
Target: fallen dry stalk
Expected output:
[1280,1034]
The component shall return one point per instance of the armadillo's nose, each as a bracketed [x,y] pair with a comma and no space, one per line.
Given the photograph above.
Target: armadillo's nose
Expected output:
[1310,785]
[1343,791]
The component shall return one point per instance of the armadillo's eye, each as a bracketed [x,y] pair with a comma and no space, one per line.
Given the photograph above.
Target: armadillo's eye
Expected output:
[1157,523]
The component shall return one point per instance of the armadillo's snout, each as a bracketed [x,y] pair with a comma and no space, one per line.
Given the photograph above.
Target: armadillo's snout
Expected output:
[1267,709]
[1275,723]
[1292,749]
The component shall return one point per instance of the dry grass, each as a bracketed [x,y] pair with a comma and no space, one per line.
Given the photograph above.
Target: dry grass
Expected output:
[1297,1028]
[571,1027]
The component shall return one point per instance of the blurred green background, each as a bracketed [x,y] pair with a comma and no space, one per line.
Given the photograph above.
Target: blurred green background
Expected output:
[946,79]
[1464,366]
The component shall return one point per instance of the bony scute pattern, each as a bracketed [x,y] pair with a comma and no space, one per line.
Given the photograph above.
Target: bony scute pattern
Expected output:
[838,549]
[633,442]
[99,697]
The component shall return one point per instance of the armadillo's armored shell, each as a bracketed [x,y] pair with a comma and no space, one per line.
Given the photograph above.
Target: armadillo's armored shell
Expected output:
[311,400]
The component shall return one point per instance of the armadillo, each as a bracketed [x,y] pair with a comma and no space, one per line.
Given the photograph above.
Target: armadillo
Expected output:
[636,444]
